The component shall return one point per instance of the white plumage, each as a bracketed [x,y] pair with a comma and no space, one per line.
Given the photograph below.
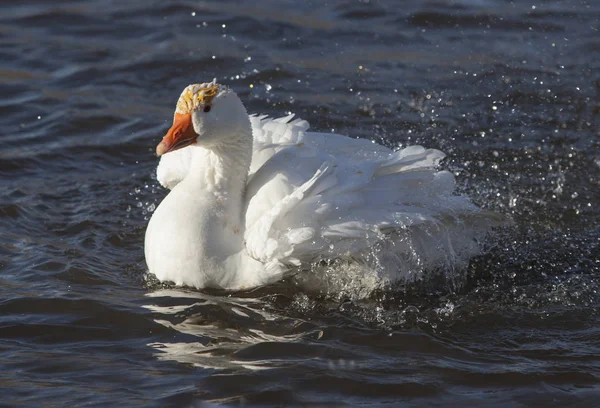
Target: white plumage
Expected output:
[254,198]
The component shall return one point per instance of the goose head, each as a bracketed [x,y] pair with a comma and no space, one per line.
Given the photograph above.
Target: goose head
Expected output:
[209,115]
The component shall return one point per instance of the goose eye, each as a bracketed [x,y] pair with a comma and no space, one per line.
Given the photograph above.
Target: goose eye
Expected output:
[206,108]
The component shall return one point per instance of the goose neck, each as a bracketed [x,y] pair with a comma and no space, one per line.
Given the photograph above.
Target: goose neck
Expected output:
[222,171]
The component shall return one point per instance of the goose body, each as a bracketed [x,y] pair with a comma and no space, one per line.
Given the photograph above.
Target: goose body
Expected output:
[253,198]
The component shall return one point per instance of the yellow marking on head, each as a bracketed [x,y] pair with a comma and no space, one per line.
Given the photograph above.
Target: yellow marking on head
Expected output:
[196,96]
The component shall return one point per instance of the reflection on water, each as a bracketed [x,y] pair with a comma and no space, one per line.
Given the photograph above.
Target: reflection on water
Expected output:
[215,328]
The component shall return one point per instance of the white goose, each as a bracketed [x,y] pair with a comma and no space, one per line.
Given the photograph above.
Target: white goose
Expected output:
[253,198]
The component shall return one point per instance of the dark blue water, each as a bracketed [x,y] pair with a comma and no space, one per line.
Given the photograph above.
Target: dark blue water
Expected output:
[509,89]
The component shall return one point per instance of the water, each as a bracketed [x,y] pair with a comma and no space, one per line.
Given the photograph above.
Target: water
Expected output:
[510,90]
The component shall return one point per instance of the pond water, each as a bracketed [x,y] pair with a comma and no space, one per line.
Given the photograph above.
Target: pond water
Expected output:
[510,90]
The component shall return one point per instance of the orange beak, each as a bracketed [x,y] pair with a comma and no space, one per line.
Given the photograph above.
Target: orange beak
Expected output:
[180,135]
